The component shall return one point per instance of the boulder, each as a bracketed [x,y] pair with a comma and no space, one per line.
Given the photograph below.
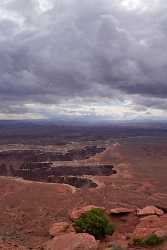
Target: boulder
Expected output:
[149,210]
[152,224]
[121,211]
[77,212]
[58,228]
[72,241]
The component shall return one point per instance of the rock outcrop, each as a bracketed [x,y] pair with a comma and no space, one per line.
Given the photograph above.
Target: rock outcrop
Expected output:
[149,210]
[58,228]
[152,224]
[77,212]
[72,241]
[121,211]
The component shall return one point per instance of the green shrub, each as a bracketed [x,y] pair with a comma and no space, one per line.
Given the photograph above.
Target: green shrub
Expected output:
[115,247]
[151,240]
[94,222]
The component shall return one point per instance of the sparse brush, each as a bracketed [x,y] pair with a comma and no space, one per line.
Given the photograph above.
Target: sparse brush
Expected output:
[116,247]
[151,240]
[94,222]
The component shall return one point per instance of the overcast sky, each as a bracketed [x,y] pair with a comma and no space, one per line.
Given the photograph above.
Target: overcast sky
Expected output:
[103,59]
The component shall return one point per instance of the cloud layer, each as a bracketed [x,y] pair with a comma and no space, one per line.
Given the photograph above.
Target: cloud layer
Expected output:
[105,58]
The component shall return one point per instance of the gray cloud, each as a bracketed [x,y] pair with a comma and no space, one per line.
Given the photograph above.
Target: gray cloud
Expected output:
[89,49]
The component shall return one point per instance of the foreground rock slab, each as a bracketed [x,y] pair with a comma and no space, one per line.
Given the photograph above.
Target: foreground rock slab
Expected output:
[72,241]
[77,212]
[149,210]
[152,224]
[58,228]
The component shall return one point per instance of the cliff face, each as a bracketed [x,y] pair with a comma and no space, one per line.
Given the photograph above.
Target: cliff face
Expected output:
[38,166]
[44,156]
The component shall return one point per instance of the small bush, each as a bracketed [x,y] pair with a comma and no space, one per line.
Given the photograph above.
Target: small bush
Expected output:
[151,240]
[116,247]
[94,222]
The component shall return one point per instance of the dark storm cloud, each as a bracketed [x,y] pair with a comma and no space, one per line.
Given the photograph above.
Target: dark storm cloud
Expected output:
[152,102]
[82,49]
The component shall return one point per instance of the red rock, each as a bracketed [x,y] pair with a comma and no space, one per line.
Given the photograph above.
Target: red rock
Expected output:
[119,239]
[58,228]
[164,247]
[150,210]
[121,210]
[72,241]
[10,245]
[151,225]
[77,212]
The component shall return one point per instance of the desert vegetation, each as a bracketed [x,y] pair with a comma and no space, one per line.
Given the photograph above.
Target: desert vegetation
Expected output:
[94,222]
[150,240]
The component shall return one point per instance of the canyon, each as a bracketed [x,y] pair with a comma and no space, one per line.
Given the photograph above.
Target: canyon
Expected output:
[42,179]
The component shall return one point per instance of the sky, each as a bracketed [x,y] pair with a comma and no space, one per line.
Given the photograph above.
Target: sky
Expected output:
[83,59]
